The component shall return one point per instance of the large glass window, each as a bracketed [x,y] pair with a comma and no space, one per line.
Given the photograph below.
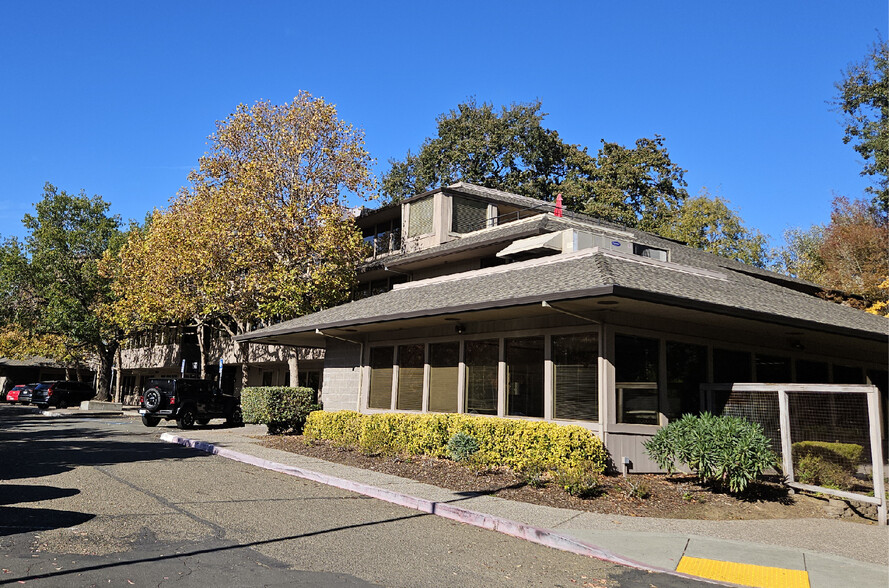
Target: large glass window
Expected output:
[420,217]
[524,376]
[576,376]
[812,372]
[468,215]
[380,377]
[772,369]
[845,374]
[444,365]
[730,367]
[686,371]
[482,360]
[411,359]
[636,375]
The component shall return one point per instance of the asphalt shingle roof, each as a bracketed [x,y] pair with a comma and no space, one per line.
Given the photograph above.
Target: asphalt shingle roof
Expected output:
[588,273]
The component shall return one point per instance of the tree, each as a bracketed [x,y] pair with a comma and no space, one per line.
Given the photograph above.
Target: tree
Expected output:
[262,233]
[710,224]
[511,150]
[848,255]
[864,101]
[51,284]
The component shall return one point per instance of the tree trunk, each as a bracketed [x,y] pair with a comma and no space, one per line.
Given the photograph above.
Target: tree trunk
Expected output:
[202,345]
[117,391]
[245,364]
[293,364]
[106,361]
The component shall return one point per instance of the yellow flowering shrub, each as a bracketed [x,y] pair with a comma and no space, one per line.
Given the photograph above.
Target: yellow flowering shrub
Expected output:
[517,444]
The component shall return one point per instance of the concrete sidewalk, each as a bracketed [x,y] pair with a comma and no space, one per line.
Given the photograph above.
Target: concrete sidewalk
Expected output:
[792,552]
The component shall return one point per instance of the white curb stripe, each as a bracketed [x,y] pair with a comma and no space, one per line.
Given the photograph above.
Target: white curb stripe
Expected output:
[477,519]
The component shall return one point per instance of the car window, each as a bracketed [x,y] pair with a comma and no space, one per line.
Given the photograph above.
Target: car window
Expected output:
[162,385]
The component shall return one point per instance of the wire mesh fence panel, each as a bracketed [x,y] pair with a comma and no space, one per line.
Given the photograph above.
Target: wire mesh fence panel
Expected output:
[758,407]
[827,439]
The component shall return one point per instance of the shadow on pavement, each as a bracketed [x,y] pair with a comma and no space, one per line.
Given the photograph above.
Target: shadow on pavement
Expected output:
[15,493]
[14,520]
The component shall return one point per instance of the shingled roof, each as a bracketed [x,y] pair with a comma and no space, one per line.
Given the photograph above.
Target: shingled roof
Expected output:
[590,273]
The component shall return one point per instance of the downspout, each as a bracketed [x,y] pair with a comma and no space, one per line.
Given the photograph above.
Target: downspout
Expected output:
[360,362]
[546,304]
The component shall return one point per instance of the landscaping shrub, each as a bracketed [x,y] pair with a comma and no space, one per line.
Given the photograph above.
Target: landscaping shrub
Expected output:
[512,443]
[832,465]
[462,446]
[582,481]
[281,409]
[726,452]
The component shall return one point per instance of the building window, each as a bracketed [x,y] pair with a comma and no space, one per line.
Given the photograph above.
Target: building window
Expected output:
[636,379]
[686,371]
[383,238]
[524,376]
[380,377]
[812,372]
[650,252]
[482,361]
[411,359]
[267,378]
[730,367]
[576,376]
[444,366]
[772,369]
[420,217]
[844,374]
[468,215]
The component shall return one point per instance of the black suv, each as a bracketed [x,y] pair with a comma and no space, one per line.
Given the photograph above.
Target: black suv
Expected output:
[189,402]
[61,394]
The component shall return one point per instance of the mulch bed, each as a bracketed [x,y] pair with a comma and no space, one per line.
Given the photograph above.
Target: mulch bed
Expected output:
[677,496]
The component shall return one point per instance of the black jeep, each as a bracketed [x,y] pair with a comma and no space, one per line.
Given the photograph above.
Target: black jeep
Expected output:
[188,401]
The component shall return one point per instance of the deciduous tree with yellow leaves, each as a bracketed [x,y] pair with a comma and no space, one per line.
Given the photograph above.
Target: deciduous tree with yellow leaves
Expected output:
[262,233]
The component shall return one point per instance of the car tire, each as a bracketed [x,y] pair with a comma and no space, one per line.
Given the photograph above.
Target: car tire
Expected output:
[202,422]
[152,399]
[186,418]
[150,421]
[236,418]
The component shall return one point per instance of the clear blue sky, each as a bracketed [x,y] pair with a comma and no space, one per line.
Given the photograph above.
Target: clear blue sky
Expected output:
[117,98]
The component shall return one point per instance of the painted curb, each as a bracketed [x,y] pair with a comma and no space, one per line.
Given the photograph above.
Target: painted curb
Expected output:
[545,537]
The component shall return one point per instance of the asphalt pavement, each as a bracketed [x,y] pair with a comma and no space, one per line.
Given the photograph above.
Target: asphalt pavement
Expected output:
[818,553]
[88,501]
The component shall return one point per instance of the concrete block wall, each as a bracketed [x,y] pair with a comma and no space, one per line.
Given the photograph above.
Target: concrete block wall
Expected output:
[342,376]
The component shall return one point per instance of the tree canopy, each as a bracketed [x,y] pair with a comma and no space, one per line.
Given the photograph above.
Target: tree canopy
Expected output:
[863,99]
[849,254]
[51,285]
[511,150]
[261,233]
[711,224]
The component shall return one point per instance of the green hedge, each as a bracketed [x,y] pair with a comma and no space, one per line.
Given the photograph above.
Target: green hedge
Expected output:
[280,408]
[517,444]
[832,465]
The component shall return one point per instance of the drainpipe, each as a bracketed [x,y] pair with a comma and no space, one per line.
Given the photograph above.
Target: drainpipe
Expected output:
[546,304]
[360,362]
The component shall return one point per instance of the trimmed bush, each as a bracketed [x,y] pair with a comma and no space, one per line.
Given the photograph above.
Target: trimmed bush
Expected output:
[462,446]
[726,452]
[281,409]
[511,443]
[832,465]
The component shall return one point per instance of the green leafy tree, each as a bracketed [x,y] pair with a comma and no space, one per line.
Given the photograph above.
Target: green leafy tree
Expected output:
[863,99]
[51,286]
[846,256]
[510,150]
[262,233]
[711,224]
[507,149]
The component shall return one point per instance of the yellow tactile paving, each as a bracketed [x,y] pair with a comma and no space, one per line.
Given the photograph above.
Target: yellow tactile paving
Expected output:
[744,574]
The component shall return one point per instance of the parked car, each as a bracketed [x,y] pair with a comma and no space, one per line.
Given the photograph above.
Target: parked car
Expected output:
[14,394]
[62,394]
[189,402]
